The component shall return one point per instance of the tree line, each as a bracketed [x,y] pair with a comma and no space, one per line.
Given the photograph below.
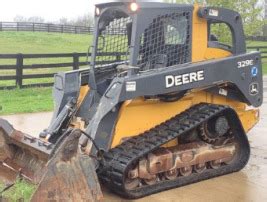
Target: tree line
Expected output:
[86,20]
[251,11]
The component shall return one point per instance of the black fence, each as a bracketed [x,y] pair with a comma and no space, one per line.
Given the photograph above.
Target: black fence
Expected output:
[44,27]
[53,28]
[262,49]
[20,76]
[257,38]
[58,28]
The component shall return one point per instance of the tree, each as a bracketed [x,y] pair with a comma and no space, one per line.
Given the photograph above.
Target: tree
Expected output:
[250,10]
[85,20]
[64,21]
[36,19]
[19,18]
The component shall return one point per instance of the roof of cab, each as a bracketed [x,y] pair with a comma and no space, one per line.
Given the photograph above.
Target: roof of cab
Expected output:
[142,4]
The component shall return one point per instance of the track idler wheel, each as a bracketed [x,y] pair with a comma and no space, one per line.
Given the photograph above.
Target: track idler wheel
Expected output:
[151,181]
[186,171]
[131,184]
[171,174]
[199,168]
[215,164]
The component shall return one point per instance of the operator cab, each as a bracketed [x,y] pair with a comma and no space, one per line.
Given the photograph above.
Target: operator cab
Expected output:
[153,36]
[158,35]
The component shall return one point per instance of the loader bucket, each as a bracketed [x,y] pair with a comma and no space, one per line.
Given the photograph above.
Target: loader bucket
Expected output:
[61,172]
[22,154]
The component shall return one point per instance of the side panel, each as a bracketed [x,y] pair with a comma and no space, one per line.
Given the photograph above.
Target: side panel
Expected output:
[214,53]
[138,116]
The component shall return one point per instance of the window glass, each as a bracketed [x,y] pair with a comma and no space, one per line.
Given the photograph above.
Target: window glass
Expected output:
[221,33]
[176,31]
[166,41]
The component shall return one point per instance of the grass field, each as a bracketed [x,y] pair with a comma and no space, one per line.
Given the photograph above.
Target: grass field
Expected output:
[21,191]
[25,100]
[31,42]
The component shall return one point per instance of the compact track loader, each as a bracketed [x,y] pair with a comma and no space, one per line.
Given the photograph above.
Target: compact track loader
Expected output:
[164,104]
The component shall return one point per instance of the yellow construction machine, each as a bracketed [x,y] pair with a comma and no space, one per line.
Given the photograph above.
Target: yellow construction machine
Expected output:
[165,103]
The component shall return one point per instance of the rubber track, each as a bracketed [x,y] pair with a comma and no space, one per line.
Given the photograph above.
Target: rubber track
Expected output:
[119,160]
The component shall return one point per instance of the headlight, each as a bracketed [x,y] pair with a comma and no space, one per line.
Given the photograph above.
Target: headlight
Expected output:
[97,11]
[134,7]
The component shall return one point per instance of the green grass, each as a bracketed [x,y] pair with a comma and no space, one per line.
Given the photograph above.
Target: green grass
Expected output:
[37,42]
[33,42]
[256,43]
[21,190]
[25,100]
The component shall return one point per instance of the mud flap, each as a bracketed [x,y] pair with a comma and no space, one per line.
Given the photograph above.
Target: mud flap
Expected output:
[70,176]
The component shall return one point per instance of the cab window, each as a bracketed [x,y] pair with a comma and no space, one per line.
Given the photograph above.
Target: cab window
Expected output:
[220,36]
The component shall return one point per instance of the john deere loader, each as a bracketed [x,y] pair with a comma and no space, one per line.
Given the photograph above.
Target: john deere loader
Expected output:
[165,103]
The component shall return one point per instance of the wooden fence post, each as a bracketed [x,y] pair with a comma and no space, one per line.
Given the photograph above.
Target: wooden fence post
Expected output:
[75,61]
[118,57]
[19,70]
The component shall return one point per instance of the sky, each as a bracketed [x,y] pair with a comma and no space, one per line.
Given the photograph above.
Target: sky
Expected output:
[50,10]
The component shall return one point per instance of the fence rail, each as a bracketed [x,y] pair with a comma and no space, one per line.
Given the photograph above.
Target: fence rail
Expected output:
[53,28]
[44,27]
[262,49]
[257,38]
[71,29]
[20,76]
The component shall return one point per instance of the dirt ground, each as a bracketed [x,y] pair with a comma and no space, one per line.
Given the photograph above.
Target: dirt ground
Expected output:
[248,185]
